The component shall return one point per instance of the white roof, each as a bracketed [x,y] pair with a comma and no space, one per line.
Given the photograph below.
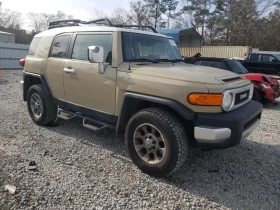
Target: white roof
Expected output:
[2,32]
[55,31]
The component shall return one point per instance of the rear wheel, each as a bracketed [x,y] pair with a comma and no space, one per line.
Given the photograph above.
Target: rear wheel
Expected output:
[156,142]
[41,107]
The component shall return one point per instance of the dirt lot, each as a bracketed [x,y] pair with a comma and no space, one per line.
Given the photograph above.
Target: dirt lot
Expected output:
[81,169]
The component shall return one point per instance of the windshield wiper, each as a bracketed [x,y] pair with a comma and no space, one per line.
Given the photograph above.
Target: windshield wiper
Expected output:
[169,60]
[143,60]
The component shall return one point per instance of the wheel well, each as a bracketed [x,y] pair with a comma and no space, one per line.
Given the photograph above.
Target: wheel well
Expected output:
[28,82]
[134,105]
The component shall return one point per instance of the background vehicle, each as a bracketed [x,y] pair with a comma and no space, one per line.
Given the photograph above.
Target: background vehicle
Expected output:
[136,83]
[263,63]
[265,86]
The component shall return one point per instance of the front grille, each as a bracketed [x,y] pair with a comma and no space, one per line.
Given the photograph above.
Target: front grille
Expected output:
[241,97]
[251,122]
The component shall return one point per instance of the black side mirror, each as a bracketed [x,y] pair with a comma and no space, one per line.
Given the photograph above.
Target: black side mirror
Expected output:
[275,61]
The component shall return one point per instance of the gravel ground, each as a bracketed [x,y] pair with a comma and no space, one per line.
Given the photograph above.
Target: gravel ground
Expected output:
[81,169]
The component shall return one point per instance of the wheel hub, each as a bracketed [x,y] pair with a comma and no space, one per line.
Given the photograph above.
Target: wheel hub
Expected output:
[149,143]
[36,105]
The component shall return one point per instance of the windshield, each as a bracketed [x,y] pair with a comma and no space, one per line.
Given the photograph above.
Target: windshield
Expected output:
[237,67]
[143,48]
[277,56]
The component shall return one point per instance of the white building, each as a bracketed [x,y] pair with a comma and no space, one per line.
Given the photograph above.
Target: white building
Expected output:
[7,37]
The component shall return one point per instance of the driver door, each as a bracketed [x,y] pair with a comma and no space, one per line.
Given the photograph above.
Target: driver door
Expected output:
[84,86]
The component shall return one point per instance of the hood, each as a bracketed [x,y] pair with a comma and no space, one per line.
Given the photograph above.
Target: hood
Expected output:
[185,72]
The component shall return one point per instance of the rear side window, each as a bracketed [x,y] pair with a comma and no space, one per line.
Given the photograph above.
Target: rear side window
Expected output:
[214,64]
[33,46]
[204,63]
[83,41]
[254,58]
[268,59]
[217,64]
[59,46]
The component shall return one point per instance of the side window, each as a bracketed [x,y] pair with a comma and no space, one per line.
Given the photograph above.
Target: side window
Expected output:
[254,58]
[268,59]
[33,46]
[59,46]
[217,64]
[83,41]
[204,63]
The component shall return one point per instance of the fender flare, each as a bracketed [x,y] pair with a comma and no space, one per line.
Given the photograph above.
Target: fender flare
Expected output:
[182,110]
[27,78]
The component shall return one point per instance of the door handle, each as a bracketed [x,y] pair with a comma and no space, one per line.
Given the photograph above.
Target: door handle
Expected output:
[72,71]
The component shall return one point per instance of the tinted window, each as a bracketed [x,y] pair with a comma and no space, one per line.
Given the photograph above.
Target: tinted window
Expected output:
[254,58]
[268,59]
[204,63]
[214,64]
[142,46]
[83,41]
[277,56]
[59,47]
[217,64]
[237,67]
[33,45]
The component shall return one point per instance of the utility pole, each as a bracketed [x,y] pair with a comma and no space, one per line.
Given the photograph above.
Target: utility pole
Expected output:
[156,2]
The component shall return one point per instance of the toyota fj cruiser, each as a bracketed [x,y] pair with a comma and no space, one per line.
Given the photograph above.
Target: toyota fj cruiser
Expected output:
[134,81]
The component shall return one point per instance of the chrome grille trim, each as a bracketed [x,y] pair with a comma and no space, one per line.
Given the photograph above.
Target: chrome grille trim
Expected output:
[236,91]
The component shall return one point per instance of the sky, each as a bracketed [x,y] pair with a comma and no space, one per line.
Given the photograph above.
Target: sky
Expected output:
[80,9]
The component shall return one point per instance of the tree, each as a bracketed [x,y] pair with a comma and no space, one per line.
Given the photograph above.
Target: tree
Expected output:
[199,11]
[171,6]
[10,18]
[36,21]
[40,21]
[140,13]
[240,17]
[120,16]
[98,14]
[157,8]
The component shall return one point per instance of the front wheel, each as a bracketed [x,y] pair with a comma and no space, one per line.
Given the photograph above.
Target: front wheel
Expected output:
[156,142]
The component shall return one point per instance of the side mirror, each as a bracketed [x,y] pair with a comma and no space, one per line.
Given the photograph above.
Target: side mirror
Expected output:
[96,55]
[274,61]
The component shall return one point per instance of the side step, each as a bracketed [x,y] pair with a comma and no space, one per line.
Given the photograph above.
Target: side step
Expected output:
[93,126]
[89,123]
[64,117]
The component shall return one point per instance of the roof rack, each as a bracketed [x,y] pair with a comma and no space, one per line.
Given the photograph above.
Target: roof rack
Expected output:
[104,21]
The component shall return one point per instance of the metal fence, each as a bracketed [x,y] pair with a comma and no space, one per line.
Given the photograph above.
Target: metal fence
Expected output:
[10,54]
[217,51]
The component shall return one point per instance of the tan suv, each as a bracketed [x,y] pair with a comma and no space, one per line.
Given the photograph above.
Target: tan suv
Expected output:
[134,81]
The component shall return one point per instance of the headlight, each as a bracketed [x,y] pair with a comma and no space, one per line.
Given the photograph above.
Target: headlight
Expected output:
[227,101]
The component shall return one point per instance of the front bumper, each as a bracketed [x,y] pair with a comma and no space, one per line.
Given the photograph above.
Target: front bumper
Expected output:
[223,130]
[21,84]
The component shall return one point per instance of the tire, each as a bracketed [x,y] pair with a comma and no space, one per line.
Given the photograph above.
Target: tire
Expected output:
[163,126]
[48,113]
[257,96]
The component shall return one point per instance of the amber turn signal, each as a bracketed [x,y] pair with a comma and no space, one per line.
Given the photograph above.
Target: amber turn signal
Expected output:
[204,99]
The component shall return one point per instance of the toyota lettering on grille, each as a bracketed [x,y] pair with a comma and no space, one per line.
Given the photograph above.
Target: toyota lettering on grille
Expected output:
[243,96]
